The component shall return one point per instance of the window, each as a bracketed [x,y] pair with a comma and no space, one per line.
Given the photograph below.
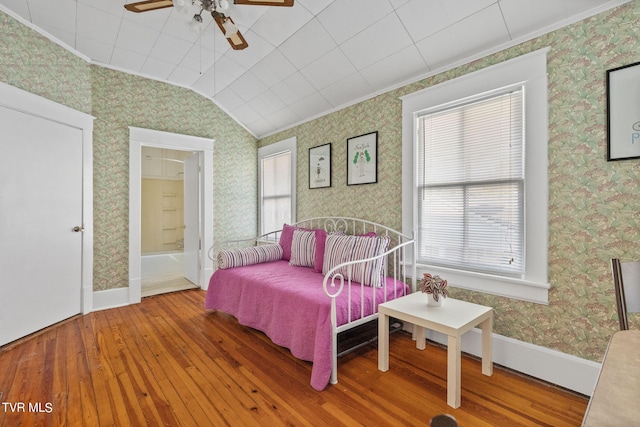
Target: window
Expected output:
[470,185]
[277,171]
[476,196]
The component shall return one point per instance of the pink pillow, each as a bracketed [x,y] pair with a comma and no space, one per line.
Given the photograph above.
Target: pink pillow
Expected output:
[286,237]
[321,239]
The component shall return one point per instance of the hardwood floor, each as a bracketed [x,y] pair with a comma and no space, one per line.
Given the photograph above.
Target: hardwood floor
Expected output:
[168,362]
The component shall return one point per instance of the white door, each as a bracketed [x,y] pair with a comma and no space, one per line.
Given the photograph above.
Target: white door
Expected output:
[192,218]
[40,204]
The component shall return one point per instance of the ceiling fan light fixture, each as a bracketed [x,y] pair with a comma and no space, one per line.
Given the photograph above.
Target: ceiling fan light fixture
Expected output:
[230,29]
[195,25]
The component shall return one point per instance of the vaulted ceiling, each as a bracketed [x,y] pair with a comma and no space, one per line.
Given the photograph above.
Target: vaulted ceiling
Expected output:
[302,61]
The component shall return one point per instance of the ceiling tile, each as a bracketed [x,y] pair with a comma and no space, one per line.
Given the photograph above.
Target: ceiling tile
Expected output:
[280,23]
[314,6]
[378,41]
[460,9]
[346,90]
[157,68]
[311,105]
[344,20]
[525,16]
[113,7]
[229,99]
[246,114]
[206,84]
[441,49]
[224,72]
[399,67]
[273,68]
[199,58]
[180,26]
[257,50]
[422,18]
[283,117]
[127,59]
[67,37]
[19,7]
[154,19]
[267,103]
[97,24]
[482,30]
[261,126]
[170,49]
[293,88]
[330,68]
[135,37]
[184,76]
[245,16]
[307,45]
[60,14]
[96,50]
[248,86]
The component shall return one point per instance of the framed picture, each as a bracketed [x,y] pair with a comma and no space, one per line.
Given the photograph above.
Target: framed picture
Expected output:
[362,159]
[623,112]
[320,166]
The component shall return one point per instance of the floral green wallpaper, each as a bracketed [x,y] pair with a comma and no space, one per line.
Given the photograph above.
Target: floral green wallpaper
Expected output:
[593,206]
[118,100]
[31,62]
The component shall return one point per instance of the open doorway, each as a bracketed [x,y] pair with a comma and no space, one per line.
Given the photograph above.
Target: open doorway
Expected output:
[187,161]
[167,205]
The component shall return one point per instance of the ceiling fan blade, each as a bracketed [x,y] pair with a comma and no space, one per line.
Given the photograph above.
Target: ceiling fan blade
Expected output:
[287,3]
[145,6]
[236,40]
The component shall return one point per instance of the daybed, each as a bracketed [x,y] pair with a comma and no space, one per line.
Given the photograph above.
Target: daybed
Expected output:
[322,277]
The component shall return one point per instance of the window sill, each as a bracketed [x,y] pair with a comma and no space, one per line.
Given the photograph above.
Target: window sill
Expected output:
[520,289]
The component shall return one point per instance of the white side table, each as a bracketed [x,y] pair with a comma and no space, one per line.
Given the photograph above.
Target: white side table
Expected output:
[453,318]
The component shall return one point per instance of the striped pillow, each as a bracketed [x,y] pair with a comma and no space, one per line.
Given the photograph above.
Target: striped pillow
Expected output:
[340,249]
[249,256]
[303,248]
[370,273]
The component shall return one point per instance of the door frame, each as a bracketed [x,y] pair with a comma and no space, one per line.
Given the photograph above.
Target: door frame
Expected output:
[139,137]
[26,102]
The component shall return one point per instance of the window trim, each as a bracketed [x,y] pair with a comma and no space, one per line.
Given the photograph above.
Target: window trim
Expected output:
[290,145]
[531,71]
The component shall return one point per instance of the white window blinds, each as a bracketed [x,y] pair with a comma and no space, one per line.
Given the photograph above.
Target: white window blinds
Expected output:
[471,185]
[276,191]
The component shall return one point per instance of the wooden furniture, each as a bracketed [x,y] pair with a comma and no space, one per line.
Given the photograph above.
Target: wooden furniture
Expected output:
[626,281]
[453,319]
[614,401]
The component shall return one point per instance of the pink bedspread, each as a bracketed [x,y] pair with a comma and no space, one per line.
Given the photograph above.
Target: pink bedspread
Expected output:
[288,304]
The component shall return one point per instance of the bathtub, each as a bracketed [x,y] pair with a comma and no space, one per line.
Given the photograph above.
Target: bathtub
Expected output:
[162,264]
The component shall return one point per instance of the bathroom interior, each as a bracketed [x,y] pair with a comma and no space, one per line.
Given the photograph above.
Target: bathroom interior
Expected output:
[162,221]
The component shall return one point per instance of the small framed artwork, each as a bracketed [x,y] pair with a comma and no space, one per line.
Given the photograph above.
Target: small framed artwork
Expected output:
[362,159]
[623,112]
[320,166]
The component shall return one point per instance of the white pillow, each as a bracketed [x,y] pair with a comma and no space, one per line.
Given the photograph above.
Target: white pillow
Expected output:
[340,249]
[249,256]
[303,248]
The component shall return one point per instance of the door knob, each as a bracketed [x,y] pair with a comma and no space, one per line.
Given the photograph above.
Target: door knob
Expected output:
[78,229]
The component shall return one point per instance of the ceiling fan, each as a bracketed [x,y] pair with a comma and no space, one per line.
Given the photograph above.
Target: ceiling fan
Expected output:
[225,23]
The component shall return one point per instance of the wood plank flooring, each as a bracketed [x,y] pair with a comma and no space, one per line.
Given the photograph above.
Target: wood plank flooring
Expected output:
[168,362]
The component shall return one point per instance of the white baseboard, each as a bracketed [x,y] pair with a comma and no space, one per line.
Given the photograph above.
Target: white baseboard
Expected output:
[110,298]
[564,370]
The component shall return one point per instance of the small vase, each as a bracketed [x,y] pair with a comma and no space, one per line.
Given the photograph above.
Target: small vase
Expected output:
[431,301]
